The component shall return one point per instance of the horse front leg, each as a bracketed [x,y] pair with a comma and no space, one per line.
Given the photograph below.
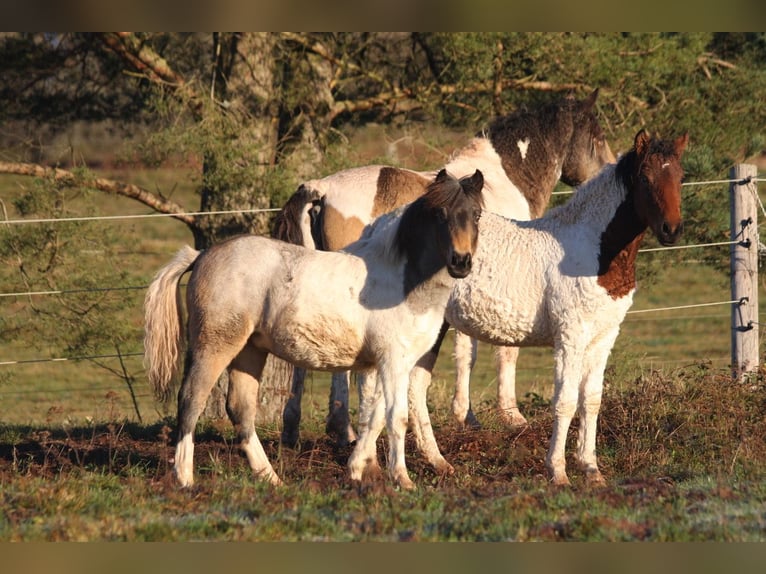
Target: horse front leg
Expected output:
[338,420]
[465,359]
[363,461]
[420,380]
[291,415]
[508,408]
[567,376]
[591,389]
[420,421]
[394,379]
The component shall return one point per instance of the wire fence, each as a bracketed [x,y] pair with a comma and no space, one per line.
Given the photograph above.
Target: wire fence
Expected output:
[137,353]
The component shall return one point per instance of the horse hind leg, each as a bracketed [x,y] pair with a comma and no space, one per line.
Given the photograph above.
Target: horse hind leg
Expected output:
[241,404]
[420,421]
[465,359]
[338,420]
[508,408]
[203,367]
[291,416]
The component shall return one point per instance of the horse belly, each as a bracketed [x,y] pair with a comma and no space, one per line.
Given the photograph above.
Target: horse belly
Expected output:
[319,326]
[498,323]
[329,344]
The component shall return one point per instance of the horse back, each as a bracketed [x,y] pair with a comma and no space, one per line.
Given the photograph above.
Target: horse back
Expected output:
[354,198]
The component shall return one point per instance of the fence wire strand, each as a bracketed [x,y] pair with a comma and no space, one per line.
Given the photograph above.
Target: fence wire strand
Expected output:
[264,210]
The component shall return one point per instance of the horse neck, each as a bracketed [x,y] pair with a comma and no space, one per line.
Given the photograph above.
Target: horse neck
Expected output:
[533,153]
[620,241]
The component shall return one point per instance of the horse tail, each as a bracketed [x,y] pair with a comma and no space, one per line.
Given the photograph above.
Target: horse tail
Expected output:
[163,329]
[297,220]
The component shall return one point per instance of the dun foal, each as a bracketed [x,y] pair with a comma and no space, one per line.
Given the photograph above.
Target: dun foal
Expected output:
[379,305]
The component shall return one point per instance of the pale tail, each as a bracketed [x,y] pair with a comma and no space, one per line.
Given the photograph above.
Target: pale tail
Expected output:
[163,331]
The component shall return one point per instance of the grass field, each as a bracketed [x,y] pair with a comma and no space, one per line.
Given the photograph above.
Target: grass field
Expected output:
[681,444]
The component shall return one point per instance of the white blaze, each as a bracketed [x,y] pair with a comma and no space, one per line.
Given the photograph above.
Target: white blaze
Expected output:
[523,145]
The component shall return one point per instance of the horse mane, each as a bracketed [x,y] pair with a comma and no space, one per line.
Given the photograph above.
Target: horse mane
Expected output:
[628,166]
[595,195]
[547,115]
[284,226]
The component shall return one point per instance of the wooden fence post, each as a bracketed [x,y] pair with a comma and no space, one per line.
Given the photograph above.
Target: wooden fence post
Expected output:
[744,269]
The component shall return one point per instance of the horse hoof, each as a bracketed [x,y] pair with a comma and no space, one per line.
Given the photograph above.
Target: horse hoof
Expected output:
[368,471]
[289,439]
[595,478]
[405,483]
[184,480]
[470,422]
[560,480]
[513,419]
[443,468]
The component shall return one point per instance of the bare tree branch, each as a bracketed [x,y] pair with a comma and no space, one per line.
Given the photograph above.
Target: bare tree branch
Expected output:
[145,61]
[140,194]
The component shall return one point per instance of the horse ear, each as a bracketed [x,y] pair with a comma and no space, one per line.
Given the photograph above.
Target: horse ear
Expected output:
[680,144]
[590,101]
[641,143]
[476,182]
[442,175]
[472,184]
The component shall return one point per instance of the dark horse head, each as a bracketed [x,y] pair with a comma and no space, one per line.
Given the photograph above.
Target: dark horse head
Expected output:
[654,175]
[440,229]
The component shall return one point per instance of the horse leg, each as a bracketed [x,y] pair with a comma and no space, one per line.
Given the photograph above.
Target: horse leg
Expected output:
[338,422]
[241,404]
[508,408]
[291,416]
[465,359]
[591,388]
[203,369]
[394,380]
[364,459]
[420,380]
[567,376]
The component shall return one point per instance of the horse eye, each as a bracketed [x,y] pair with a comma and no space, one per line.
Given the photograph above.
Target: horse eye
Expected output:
[477,215]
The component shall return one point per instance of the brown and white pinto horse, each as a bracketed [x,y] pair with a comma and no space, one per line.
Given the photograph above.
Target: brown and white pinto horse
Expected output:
[565,280]
[522,156]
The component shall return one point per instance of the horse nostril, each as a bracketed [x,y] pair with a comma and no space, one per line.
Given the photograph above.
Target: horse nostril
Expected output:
[666,228]
[461,261]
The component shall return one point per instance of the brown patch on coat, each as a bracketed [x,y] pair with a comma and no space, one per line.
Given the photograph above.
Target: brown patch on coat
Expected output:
[397,187]
[619,247]
[619,275]
[339,231]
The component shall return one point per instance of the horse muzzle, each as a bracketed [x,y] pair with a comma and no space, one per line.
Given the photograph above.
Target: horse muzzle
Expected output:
[459,265]
[669,234]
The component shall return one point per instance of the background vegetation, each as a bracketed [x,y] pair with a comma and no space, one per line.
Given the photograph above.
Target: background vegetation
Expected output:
[116,124]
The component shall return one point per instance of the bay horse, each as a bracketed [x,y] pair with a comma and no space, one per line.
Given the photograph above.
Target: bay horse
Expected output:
[522,155]
[565,280]
[379,306]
